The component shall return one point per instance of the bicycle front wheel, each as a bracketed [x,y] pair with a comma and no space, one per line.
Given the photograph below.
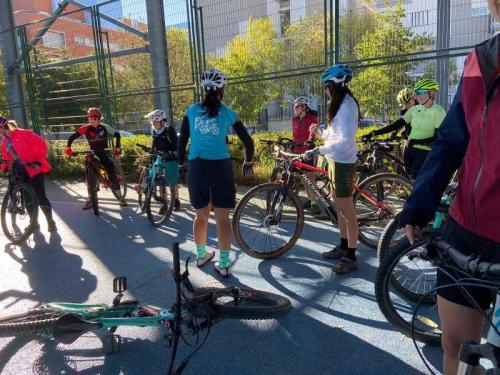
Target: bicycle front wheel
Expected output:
[93,188]
[242,304]
[268,221]
[141,189]
[402,280]
[159,202]
[377,200]
[120,176]
[19,213]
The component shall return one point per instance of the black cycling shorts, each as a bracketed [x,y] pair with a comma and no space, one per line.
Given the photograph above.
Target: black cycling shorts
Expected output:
[414,159]
[211,181]
[467,243]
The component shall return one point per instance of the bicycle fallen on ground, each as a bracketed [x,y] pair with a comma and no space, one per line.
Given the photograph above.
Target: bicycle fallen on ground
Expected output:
[194,311]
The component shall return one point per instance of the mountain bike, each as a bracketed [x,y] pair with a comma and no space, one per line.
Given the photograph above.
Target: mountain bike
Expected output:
[381,156]
[96,176]
[156,196]
[269,219]
[194,311]
[19,212]
[472,271]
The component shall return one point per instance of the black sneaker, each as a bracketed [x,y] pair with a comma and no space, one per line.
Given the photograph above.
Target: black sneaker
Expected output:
[52,226]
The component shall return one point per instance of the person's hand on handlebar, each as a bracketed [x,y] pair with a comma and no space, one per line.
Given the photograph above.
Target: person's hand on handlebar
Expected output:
[118,152]
[247,169]
[69,151]
[367,137]
[310,153]
[413,220]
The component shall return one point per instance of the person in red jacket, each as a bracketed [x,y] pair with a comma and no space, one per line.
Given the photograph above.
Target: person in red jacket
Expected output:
[468,138]
[303,118]
[27,147]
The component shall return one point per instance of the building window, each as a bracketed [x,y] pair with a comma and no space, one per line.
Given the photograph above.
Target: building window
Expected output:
[420,18]
[53,39]
[82,41]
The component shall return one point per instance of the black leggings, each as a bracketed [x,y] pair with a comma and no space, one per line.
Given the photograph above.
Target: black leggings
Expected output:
[38,184]
[110,168]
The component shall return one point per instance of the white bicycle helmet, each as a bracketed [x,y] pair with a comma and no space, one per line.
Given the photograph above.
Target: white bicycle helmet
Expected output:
[213,79]
[156,115]
[302,100]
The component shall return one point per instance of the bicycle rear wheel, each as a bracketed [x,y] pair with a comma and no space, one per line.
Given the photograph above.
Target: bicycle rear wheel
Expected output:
[377,200]
[243,304]
[159,202]
[266,223]
[19,213]
[402,280]
[33,323]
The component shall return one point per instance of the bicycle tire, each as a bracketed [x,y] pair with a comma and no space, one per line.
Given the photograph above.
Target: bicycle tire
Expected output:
[385,242]
[121,179]
[32,323]
[93,187]
[17,238]
[159,219]
[384,285]
[250,305]
[292,197]
[141,195]
[367,235]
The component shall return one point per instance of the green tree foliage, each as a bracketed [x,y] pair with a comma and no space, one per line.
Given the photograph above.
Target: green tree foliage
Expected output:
[258,51]
[3,93]
[134,74]
[377,86]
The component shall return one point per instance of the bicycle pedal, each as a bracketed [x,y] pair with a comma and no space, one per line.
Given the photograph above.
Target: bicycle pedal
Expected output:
[112,343]
[119,284]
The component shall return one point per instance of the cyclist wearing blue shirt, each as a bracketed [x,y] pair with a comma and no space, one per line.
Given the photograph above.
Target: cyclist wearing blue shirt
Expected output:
[210,179]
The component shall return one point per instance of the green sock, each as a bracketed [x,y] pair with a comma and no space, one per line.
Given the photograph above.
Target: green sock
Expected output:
[201,250]
[224,258]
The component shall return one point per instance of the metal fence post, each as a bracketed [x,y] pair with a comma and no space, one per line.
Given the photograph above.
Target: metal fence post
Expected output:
[13,83]
[159,56]
[443,42]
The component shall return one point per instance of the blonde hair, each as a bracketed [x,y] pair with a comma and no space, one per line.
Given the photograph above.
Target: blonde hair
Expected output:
[12,125]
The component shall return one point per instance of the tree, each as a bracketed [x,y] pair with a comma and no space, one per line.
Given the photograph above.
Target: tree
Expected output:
[3,92]
[257,52]
[376,87]
[134,73]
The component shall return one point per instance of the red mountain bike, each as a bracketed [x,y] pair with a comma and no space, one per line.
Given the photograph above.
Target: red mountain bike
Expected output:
[269,219]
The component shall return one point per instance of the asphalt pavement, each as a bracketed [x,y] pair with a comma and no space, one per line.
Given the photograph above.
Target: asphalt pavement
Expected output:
[335,326]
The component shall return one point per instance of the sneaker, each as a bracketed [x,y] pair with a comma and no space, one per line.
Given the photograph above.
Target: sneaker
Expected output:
[87,206]
[122,202]
[315,209]
[162,210]
[200,262]
[345,265]
[52,226]
[307,204]
[177,205]
[224,272]
[336,253]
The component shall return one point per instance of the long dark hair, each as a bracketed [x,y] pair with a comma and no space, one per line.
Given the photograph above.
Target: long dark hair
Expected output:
[211,103]
[338,94]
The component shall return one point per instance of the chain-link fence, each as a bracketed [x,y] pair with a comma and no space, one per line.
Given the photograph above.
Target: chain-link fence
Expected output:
[130,56]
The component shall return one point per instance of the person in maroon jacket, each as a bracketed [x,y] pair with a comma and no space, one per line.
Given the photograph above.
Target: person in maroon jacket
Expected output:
[303,118]
[468,138]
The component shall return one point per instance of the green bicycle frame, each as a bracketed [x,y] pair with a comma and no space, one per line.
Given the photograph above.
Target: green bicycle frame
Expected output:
[111,316]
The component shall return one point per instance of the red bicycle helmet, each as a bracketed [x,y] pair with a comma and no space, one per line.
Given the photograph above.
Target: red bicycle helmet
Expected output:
[94,112]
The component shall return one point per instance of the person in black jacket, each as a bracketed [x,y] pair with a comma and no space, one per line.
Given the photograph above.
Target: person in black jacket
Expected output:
[165,140]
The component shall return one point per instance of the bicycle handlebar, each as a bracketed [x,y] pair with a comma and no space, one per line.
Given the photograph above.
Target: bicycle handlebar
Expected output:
[468,263]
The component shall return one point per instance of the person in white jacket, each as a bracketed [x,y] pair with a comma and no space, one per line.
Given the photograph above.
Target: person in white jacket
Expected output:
[341,152]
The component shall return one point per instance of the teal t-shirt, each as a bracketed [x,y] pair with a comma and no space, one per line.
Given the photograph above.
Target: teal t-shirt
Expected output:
[208,134]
